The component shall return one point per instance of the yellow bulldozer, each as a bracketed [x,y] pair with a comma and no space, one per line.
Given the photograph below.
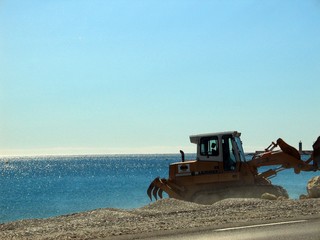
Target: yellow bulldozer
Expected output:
[221,170]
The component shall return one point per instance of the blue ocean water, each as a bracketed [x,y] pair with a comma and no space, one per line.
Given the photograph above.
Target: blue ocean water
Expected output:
[40,187]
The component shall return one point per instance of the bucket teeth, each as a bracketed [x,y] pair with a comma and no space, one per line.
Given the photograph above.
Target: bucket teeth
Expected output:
[149,191]
[155,189]
[155,192]
[160,193]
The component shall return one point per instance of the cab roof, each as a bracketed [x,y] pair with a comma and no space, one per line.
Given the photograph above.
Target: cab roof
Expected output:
[195,138]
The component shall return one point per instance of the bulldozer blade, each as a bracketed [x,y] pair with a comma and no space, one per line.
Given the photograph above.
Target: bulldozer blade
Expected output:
[316,153]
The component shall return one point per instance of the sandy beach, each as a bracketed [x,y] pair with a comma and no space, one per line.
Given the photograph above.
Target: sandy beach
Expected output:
[158,218]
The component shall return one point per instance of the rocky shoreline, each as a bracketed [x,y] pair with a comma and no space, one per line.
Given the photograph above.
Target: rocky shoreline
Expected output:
[158,218]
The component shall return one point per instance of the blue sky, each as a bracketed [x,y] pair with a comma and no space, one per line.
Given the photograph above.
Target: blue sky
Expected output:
[83,77]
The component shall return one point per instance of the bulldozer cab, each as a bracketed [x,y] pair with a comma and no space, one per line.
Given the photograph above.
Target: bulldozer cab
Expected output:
[225,147]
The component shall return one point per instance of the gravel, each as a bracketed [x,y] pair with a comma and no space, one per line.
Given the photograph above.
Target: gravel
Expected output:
[158,217]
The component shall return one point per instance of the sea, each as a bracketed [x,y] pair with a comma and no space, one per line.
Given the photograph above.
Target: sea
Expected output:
[48,186]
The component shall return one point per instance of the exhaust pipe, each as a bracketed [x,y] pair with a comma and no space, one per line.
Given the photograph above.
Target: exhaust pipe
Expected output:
[182,155]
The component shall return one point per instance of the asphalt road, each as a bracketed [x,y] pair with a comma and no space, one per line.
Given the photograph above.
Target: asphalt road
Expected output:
[306,229]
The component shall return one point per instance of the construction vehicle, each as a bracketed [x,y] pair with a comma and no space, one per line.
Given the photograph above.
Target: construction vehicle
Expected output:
[222,171]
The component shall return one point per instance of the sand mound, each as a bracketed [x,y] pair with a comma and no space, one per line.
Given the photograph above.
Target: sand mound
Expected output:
[170,205]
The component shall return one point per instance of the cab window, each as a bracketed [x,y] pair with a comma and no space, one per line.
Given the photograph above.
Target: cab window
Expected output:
[240,149]
[229,158]
[209,146]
